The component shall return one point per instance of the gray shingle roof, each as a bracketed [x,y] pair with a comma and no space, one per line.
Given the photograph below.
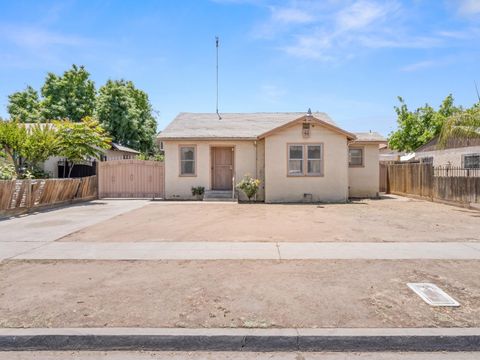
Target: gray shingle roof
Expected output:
[371,136]
[231,125]
[124,148]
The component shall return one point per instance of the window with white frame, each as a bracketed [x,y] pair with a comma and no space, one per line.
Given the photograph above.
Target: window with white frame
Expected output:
[355,157]
[187,160]
[295,160]
[314,159]
[471,161]
[305,160]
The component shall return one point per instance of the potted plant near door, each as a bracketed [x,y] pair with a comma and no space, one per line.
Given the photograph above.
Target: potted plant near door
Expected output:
[198,192]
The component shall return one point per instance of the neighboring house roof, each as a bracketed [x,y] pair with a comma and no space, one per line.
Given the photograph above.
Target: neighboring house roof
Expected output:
[369,137]
[432,145]
[119,147]
[247,126]
[114,146]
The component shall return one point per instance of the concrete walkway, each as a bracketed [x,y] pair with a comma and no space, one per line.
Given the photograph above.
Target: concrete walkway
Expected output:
[27,232]
[242,250]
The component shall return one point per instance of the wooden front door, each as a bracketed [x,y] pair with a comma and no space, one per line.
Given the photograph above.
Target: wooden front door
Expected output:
[222,170]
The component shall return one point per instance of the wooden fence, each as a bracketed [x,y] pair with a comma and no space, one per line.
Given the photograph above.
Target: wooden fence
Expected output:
[18,196]
[455,185]
[131,178]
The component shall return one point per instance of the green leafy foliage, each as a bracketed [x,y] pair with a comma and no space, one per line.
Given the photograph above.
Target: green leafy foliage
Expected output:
[40,144]
[7,171]
[249,186]
[24,106]
[416,128]
[122,109]
[78,141]
[13,137]
[69,96]
[154,157]
[198,190]
[126,113]
[461,125]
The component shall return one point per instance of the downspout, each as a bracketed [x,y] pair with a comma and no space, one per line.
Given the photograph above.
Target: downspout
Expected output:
[348,169]
[256,162]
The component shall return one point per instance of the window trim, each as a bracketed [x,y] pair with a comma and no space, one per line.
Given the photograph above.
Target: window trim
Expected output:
[194,146]
[362,148]
[302,159]
[466,155]
[305,159]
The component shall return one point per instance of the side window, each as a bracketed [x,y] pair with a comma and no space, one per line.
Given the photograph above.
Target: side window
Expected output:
[187,160]
[314,160]
[305,160]
[295,160]
[471,161]
[355,157]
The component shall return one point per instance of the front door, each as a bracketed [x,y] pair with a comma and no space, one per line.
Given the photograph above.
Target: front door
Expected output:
[222,174]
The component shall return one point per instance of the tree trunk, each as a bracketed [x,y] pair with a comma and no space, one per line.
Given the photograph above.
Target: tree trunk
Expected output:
[16,165]
[72,164]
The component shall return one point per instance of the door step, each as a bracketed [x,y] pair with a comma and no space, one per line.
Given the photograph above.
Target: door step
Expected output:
[219,195]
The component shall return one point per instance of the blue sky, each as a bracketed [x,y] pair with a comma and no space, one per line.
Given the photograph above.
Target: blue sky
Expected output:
[349,58]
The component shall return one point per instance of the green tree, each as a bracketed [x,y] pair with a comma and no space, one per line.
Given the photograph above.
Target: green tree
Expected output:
[40,144]
[69,96]
[461,125]
[80,141]
[24,106]
[13,137]
[126,113]
[416,128]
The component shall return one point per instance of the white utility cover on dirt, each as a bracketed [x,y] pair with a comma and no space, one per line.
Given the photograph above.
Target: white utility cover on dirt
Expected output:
[432,294]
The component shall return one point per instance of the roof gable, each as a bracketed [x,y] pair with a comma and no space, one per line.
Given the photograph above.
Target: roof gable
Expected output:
[311,119]
[247,126]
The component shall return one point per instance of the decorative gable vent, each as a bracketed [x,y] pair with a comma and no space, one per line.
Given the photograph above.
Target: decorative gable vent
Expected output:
[306,130]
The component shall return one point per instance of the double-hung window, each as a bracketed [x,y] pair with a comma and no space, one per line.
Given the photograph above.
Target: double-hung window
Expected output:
[471,161]
[355,157]
[305,159]
[187,160]
[295,160]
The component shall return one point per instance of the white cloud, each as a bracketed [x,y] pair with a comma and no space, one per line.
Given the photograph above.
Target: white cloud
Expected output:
[361,14]
[291,15]
[338,30]
[359,25]
[36,38]
[468,7]
[36,47]
[418,66]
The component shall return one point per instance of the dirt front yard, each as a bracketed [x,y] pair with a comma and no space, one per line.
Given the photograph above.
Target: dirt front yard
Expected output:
[391,219]
[326,293]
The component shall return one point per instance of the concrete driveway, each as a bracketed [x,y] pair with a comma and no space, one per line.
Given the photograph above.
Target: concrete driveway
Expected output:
[24,233]
[393,219]
[391,228]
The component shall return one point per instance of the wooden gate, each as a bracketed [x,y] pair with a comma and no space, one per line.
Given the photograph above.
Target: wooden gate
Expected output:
[131,179]
[383,177]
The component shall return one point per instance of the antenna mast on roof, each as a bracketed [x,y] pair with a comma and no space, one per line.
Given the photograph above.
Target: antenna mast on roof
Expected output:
[216,44]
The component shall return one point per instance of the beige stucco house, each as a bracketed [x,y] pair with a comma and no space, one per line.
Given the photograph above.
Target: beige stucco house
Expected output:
[298,157]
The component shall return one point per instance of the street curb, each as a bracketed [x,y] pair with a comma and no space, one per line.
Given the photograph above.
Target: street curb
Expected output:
[175,339]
